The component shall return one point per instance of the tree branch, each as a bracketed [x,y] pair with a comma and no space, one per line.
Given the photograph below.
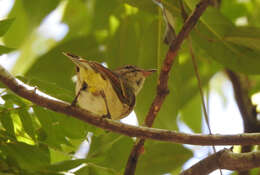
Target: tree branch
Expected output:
[247,110]
[225,159]
[162,87]
[41,99]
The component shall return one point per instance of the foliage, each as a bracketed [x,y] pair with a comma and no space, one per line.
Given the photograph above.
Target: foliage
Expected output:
[34,140]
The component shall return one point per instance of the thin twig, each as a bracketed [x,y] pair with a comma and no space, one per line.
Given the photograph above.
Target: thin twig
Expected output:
[201,94]
[227,160]
[195,66]
[162,87]
[41,99]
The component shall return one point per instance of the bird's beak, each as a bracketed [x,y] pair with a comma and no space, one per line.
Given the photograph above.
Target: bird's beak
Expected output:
[148,72]
[74,58]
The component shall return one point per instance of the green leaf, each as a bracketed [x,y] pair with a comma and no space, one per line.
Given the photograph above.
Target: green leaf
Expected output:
[4,166]
[133,46]
[84,171]
[11,99]
[21,23]
[28,15]
[255,79]
[191,113]
[116,157]
[37,10]
[7,123]
[253,13]
[27,122]
[46,67]
[110,150]
[92,169]
[152,8]
[210,36]
[4,50]
[245,36]
[146,5]
[5,25]
[90,17]
[75,13]
[65,165]
[233,9]
[161,158]
[63,126]
[51,127]
[27,156]
[59,156]
[72,127]
[102,143]
[254,171]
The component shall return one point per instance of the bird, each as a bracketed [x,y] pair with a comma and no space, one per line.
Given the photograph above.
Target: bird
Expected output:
[104,92]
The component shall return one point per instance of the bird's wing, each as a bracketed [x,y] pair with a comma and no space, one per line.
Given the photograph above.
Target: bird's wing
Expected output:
[123,92]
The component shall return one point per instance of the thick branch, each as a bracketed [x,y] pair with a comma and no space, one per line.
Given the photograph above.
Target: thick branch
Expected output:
[37,97]
[225,159]
[34,95]
[162,87]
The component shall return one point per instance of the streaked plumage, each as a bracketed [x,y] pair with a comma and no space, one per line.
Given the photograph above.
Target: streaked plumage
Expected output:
[104,92]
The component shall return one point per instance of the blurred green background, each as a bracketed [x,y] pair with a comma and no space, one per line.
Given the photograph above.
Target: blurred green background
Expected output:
[34,140]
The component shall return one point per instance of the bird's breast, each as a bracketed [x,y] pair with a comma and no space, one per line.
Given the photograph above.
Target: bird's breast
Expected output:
[92,99]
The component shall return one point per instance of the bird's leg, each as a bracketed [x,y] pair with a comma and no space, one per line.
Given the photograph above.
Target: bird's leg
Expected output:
[75,99]
[83,87]
[108,115]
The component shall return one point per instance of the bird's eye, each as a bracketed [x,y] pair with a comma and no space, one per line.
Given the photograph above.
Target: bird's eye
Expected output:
[128,67]
[73,56]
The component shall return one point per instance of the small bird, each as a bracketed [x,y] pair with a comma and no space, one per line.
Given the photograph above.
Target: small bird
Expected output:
[104,92]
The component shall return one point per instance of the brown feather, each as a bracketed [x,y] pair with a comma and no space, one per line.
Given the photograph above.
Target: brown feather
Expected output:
[123,92]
